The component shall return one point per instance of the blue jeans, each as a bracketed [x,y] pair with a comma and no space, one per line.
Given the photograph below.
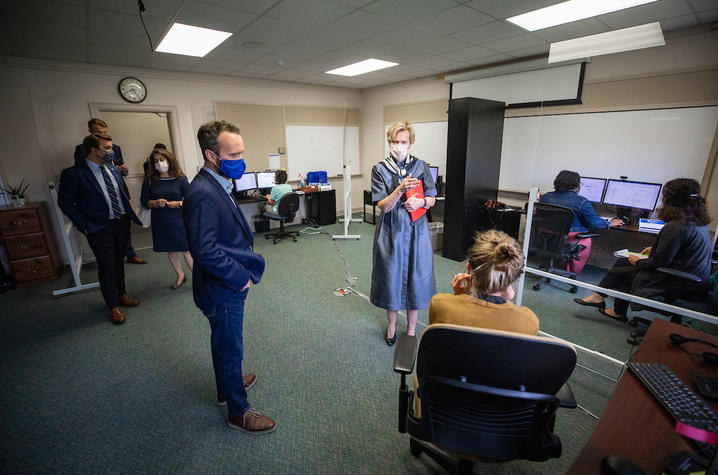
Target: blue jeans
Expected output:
[227,352]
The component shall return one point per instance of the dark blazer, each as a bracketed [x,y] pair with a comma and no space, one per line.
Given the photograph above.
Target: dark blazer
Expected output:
[220,241]
[81,199]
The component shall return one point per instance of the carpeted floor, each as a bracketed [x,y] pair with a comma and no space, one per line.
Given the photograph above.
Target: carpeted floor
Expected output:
[78,394]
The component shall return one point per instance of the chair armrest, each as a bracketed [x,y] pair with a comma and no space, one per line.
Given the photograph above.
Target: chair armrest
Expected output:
[586,235]
[680,274]
[405,354]
[566,397]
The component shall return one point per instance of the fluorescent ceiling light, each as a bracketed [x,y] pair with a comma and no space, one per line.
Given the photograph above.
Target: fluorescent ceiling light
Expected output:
[572,10]
[366,66]
[627,39]
[191,40]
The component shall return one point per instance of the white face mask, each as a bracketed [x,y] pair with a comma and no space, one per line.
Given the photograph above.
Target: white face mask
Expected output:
[162,166]
[401,150]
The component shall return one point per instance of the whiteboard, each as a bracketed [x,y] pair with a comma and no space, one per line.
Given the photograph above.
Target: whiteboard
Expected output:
[430,144]
[649,145]
[312,148]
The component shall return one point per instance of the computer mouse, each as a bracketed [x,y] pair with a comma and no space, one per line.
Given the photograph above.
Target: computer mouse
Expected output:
[617,465]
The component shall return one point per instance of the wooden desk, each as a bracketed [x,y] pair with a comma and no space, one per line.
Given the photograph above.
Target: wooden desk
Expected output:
[634,424]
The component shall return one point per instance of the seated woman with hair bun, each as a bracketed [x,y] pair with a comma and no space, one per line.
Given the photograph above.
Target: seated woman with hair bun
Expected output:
[481,296]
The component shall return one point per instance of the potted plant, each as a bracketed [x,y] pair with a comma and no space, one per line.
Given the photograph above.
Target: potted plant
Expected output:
[17,193]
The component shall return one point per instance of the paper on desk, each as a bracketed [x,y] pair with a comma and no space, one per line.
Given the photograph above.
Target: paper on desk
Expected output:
[626,253]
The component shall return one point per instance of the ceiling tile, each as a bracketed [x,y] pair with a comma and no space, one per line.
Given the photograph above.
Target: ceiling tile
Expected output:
[112,54]
[451,20]
[508,8]
[469,54]
[205,15]
[569,31]
[438,63]
[676,23]
[278,61]
[253,6]
[430,47]
[350,29]
[174,62]
[493,31]
[260,68]
[646,13]
[523,53]
[396,38]
[118,40]
[353,3]
[33,10]
[708,16]
[310,13]
[515,43]
[247,74]
[281,30]
[127,24]
[407,10]
[491,59]
[699,5]
[47,30]
[157,9]
[287,76]
[207,70]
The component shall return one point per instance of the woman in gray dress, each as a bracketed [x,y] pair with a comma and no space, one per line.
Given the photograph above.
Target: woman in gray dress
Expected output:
[403,272]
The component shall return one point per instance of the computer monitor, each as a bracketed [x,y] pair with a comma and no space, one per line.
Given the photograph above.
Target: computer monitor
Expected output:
[246,183]
[592,188]
[632,194]
[265,179]
[434,173]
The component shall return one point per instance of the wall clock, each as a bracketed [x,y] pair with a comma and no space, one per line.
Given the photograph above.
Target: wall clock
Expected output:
[132,90]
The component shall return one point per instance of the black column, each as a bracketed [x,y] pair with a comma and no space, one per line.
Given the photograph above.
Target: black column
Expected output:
[473,159]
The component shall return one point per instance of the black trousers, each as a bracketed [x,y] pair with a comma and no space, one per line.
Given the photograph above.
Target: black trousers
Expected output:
[620,278]
[109,246]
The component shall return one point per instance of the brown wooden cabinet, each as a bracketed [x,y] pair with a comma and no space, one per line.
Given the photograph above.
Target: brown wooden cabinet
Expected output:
[30,244]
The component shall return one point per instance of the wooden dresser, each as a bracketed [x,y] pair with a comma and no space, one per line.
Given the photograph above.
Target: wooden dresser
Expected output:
[30,244]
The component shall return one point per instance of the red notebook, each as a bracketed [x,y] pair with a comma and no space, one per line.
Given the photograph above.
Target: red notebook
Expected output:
[416,192]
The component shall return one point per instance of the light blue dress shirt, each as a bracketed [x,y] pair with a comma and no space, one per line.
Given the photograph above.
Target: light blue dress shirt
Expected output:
[225,182]
[95,168]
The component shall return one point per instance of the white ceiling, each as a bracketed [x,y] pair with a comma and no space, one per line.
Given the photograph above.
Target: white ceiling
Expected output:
[297,40]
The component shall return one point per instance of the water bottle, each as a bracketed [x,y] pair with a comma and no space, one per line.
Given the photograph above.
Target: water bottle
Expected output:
[302,182]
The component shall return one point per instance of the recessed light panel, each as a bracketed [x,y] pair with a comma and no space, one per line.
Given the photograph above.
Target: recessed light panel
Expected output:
[572,10]
[627,39]
[362,67]
[191,40]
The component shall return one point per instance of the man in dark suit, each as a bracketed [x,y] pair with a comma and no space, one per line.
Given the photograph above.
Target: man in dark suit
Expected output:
[99,126]
[94,196]
[225,266]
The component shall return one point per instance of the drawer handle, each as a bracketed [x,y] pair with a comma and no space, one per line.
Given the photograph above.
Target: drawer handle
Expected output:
[25,247]
[18,223]
[35,269]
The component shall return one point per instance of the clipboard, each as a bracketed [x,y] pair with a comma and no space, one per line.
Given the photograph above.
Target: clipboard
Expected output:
[416,192]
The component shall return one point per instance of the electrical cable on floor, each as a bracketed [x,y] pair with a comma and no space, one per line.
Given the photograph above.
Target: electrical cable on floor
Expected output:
[587,411]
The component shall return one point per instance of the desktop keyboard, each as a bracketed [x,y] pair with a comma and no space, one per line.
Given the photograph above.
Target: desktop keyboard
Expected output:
[678,399]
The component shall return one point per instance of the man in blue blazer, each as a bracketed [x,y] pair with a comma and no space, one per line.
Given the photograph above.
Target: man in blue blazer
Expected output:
[93,195]
[225,267]
[99,126]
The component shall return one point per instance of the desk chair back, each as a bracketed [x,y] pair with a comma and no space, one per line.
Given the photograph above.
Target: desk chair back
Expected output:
[288,205]
[488,393]
[550,226]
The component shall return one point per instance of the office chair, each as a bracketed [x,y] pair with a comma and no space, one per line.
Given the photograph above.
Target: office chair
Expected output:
[682,291]
[485,395]
[549,238]
[286,210]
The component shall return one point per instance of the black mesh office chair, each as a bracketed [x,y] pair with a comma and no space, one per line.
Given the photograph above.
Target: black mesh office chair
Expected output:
[485,395]
[550,226]
[286,210]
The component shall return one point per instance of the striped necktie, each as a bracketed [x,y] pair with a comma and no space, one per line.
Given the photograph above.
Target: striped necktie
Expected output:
[114,201]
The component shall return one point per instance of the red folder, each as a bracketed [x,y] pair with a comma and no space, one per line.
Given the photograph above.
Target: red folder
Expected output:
[416,192]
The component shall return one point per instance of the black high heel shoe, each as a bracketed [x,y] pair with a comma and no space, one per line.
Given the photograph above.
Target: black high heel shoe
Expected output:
[390,341]
[176,286]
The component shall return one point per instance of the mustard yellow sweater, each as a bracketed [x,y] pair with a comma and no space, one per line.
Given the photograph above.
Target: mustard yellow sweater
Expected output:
[472,312]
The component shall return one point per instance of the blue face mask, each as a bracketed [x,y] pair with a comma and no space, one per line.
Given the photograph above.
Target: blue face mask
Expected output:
[232,168]
[109,156]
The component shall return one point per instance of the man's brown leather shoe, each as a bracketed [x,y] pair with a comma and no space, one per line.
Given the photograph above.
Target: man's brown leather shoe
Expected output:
[127,301]
[252,422]
[136,260]
[249,379]
[116,316]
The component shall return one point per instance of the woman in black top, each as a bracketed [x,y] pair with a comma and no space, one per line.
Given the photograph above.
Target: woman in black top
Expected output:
[683,244]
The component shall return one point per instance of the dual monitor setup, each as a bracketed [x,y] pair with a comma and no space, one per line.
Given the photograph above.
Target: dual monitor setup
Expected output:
[624,193]
[262,181]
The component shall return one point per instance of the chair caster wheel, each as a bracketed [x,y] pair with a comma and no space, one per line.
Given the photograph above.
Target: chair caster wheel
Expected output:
[414,448]
[536,287]
[295,239]
[266,236]
[573,290]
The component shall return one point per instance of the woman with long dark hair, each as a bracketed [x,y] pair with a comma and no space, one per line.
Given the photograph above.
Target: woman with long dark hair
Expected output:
[683,244]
